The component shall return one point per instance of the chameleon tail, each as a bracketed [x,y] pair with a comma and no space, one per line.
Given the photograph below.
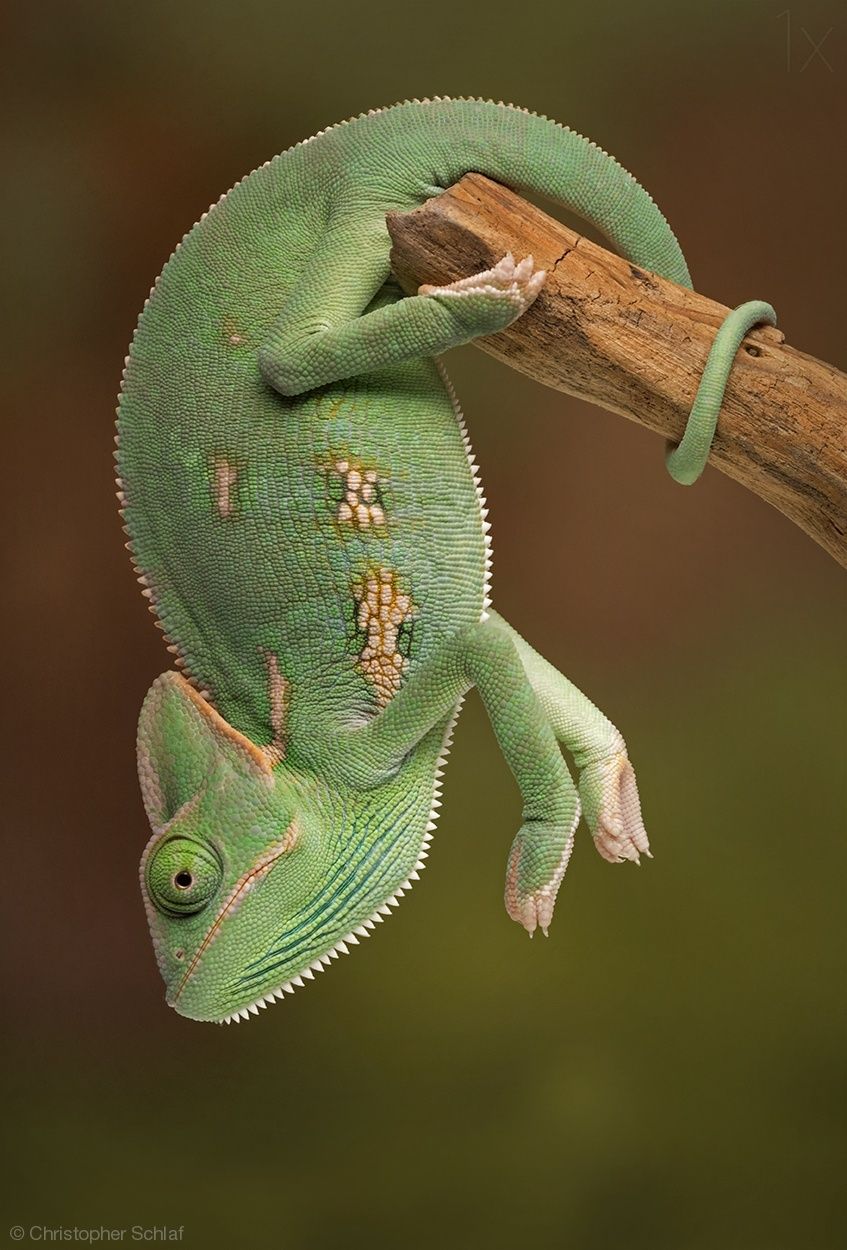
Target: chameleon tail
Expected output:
[687,460]
[533,153]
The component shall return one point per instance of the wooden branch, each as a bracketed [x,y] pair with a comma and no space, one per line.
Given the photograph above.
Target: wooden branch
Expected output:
[634,343]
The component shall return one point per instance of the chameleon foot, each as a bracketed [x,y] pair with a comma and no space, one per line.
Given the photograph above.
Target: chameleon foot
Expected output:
[515,285]
[613,810]
[537,863]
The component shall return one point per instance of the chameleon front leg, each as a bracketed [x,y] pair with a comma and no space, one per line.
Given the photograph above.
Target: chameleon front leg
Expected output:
[325,331]
[607,784]
[484,656]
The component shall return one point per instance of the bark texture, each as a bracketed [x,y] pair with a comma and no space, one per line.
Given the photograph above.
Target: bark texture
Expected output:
[609,332]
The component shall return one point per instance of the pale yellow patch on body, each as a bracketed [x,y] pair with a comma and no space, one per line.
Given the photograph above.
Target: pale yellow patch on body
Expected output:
[234,336]
[381,608]
[223,486]
[279,691]
[360,506]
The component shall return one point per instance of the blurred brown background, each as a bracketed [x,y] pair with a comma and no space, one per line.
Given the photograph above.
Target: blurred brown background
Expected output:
[668,1070]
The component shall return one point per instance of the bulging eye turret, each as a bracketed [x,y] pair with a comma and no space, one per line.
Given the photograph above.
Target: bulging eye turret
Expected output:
[183,875]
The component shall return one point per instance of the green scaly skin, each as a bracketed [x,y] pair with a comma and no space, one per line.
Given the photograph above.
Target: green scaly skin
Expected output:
[307,521]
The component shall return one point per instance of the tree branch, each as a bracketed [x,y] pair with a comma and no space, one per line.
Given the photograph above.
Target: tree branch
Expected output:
[634,343]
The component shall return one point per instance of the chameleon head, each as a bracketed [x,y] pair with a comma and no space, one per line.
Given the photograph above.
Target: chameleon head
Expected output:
[255,874]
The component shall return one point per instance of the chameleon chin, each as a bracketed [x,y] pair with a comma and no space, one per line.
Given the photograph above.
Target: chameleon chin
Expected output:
[307,522]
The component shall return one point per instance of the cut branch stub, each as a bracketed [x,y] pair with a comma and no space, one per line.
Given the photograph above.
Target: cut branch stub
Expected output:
[634,343]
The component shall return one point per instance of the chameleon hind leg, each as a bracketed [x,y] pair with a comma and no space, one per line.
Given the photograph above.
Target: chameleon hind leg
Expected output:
[342,320]
[485,656]
[607,785]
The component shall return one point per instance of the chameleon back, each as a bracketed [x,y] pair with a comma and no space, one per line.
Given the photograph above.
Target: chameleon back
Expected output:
[296,551]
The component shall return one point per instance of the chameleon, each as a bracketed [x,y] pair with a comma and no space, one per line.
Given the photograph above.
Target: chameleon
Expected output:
[306,518]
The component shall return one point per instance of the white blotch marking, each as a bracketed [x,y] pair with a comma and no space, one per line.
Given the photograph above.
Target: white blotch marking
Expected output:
[381,608]
[279,691]
[360,506]
[226,475]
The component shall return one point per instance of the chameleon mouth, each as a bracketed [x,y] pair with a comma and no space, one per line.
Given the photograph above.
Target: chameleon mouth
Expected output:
[254,875]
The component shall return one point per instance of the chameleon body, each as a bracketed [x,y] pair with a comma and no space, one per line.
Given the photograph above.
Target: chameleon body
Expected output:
[307,521]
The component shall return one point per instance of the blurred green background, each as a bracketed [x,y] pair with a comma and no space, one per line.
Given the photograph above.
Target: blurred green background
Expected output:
[668,1070]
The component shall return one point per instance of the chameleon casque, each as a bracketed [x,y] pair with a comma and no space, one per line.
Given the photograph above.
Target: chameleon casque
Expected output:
[308,524]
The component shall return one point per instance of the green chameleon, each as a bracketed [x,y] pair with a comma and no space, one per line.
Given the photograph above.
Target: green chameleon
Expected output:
[308,524]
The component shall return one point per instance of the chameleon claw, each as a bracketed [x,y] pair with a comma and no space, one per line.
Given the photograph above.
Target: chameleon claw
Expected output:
[534,909]
[520,283]
[613,809]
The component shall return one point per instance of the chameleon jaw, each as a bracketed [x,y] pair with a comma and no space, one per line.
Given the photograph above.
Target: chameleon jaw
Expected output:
[367,926]
[341,947]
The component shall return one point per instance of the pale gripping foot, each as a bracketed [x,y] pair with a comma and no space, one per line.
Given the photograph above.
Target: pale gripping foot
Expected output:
[537,863]
[504,292]
[612,808]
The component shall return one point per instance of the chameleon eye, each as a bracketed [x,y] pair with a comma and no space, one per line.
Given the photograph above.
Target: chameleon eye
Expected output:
[182,876]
